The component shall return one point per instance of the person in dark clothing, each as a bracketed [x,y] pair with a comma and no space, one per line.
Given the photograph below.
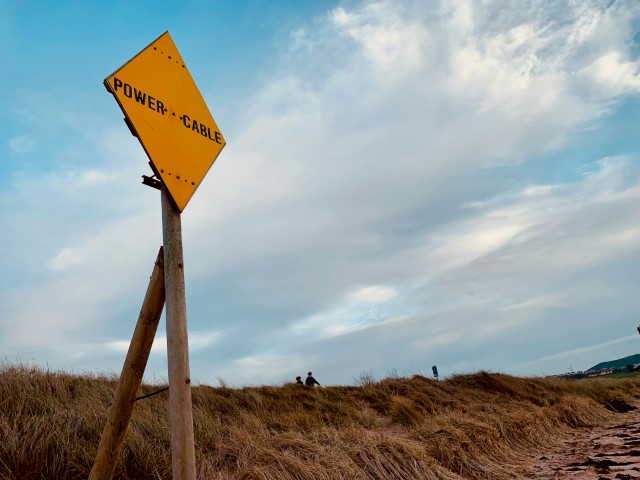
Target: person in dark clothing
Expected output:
[310,381]
[299,380]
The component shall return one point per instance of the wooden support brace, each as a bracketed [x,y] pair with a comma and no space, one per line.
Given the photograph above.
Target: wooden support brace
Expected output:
[114,431]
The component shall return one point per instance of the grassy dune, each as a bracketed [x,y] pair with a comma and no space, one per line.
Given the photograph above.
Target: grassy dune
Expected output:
[479,426]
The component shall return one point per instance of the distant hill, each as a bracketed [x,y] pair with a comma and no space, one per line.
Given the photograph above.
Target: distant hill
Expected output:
[619,363]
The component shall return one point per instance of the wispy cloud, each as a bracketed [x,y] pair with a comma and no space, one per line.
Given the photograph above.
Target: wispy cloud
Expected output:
[23,144]
[385,201]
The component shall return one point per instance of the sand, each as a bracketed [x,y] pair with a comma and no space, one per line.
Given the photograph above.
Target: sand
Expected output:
[607,452]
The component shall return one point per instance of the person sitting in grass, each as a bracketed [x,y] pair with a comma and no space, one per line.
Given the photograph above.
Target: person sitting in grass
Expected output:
[310,381]
[299,380]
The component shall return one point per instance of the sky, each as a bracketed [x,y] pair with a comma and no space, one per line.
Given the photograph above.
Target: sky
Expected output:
[405,184]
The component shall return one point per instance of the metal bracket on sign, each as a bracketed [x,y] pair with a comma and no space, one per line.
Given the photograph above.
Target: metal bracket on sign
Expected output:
[152,181]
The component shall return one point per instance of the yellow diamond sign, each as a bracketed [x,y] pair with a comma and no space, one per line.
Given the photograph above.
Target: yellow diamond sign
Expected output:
[166,111]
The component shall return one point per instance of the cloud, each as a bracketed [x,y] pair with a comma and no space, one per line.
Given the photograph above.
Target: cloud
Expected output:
[202,340]
[584,357]
[197,341]
[587,349]
[23,144]
[384,202]
[372,295]
[392,44]
[612,73]
[65,259]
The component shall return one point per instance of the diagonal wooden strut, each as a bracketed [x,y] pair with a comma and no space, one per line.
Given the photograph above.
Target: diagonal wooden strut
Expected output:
[112,438]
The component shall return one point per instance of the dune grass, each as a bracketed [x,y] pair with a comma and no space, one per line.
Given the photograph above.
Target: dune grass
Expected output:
[477,426]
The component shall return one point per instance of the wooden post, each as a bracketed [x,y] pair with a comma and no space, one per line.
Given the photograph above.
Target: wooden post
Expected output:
[114,431]
[183,457]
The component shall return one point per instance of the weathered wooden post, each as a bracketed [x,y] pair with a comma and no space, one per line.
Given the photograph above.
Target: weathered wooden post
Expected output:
[183,457]
[112,438]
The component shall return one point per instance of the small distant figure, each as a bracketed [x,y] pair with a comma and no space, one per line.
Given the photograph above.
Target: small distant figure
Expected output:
[310,381]
[299,380]
[434,369]
[638,327]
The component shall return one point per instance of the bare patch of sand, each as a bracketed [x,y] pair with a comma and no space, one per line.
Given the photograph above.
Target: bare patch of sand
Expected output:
[607,452]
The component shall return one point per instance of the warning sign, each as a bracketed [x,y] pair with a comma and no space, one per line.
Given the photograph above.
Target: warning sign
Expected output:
[166,111]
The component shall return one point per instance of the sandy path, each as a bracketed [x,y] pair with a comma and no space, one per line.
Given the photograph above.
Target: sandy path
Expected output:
[609,452]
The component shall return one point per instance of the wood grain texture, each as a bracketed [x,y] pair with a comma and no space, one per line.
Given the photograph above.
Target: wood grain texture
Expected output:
[183,457]
[112,438]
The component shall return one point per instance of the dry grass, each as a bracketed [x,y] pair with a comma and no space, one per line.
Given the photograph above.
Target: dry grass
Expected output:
[479,426]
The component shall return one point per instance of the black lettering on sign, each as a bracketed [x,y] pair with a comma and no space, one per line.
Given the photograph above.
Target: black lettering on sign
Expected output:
[140,96]
[198,127]
[216,136]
